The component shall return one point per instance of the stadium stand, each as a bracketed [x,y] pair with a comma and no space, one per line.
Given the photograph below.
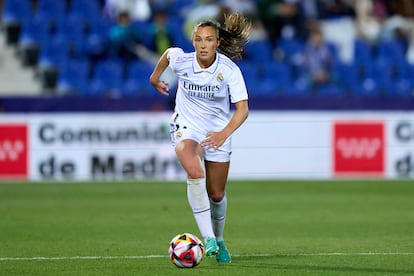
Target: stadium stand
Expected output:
[14,78]
[65,42]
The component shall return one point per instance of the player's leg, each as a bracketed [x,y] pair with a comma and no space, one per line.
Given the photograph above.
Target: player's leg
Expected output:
[216,176]
[189,153]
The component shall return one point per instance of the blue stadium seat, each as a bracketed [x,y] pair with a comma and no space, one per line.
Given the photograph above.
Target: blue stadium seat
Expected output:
[375,79]
[182,5]
[86,10]
[176,31]
[142,28]
[12,14]
[405,70]
[366,82]
[279,74]
[402,87]
[140,68]
[14,11]
[363,53]
[107,79]
[250,74]
[403,83]
[267,87]
[391,50]
[259,80]
[137,80]
[97,38]
[33,35]
[73,76]
[329,90]
[53,52]
[51,10]
[333,48]
[367,87]
[382,72]
[137,87]
[258,51]
[272,69]
[291,50]
[248,68]
[34,31]
[298,88]
[346,76]
[72,30]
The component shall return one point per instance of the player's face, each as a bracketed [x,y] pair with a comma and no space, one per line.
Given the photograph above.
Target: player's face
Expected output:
[205,42]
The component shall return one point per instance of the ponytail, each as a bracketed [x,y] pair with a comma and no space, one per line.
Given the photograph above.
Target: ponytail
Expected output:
[233,35]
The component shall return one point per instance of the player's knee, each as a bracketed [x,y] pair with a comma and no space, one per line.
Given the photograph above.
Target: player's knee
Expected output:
[216,196]
[195,173]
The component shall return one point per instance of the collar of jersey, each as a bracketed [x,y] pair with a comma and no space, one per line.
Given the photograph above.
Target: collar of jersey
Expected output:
[211,69]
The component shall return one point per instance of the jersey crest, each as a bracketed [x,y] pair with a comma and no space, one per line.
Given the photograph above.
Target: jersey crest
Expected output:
[220,77]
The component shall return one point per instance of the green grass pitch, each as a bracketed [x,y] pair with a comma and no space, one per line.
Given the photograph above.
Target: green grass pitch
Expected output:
[352,227]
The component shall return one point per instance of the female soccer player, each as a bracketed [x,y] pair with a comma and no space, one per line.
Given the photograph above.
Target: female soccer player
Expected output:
[202,124]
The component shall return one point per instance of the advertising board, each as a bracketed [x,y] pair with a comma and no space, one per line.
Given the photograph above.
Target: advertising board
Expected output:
[270,145]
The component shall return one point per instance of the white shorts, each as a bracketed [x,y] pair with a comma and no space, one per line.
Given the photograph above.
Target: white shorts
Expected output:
[180,131]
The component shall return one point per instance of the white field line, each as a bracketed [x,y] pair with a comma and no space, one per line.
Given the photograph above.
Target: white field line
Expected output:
[41,258]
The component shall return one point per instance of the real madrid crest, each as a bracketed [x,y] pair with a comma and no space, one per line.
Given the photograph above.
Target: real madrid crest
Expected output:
[178,134]
[220,76]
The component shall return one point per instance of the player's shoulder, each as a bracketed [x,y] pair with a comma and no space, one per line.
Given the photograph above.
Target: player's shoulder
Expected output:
[226,62]
[178,55]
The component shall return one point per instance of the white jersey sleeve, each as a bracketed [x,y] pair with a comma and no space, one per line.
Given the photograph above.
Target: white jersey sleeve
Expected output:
[173,54]
[237,86]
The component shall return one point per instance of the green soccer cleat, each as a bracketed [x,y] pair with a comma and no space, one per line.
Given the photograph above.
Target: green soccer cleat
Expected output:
[211,246]
[223,255]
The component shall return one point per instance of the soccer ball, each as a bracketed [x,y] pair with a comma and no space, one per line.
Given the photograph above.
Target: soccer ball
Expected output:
[186,250]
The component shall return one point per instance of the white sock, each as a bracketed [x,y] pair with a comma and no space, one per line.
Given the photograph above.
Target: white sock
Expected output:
[199,203]
[218,216]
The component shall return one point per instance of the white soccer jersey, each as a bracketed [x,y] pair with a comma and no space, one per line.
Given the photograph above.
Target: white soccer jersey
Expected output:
[204,95]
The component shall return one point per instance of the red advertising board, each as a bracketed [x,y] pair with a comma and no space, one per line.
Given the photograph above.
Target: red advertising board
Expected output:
[13,151]
[359,148]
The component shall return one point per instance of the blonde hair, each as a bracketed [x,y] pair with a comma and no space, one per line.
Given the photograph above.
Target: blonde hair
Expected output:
[233,35]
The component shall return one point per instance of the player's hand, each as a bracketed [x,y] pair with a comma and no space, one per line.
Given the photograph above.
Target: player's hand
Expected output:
[214,140]
[161,87]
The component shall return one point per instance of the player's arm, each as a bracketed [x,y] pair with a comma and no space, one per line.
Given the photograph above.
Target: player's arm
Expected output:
[161,65]
[239,116]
